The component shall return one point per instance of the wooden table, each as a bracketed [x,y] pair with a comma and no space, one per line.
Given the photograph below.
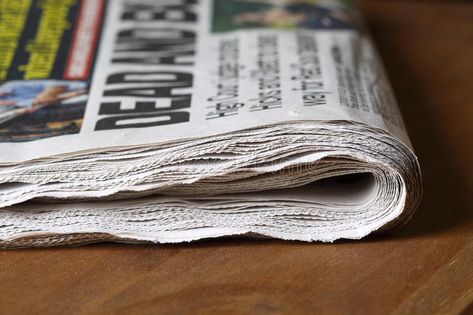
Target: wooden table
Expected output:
[424,268]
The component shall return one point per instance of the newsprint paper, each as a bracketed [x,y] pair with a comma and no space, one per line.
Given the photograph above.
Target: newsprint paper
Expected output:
[176,120]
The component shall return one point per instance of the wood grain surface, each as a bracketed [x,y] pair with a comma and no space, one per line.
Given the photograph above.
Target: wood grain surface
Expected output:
[423,268]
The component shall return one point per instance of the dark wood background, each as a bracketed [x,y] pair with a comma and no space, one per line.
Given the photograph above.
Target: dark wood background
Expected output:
[423,268]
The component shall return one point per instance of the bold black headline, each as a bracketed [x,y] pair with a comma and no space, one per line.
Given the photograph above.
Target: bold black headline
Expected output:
[156,96]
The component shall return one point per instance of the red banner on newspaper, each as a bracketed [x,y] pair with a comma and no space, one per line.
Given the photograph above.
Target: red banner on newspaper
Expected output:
[84,41]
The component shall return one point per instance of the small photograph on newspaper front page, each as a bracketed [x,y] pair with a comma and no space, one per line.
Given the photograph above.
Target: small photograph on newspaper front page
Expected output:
[229,15]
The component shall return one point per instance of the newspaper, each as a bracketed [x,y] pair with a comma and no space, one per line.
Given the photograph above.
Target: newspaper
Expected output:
[176,120]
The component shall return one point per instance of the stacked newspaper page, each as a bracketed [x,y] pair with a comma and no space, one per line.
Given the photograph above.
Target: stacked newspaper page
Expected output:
[177,120]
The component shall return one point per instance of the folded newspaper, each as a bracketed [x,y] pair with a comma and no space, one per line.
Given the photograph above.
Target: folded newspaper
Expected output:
[176,120]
